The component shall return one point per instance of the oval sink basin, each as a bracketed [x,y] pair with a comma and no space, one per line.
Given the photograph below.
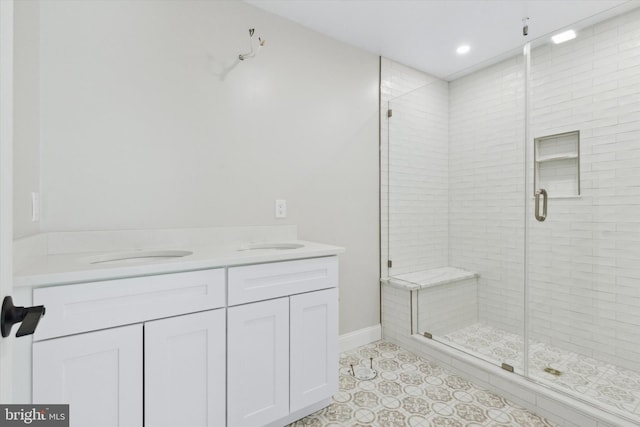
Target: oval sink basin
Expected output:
[272,245]
[136,257]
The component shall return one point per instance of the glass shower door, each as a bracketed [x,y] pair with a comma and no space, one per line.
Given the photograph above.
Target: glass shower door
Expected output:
[584,256]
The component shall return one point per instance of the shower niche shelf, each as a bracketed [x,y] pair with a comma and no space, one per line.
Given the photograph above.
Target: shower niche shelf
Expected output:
[557,164]
[564,156]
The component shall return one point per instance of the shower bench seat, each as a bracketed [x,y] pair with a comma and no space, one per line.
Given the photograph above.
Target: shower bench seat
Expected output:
[445,299]
[428,278]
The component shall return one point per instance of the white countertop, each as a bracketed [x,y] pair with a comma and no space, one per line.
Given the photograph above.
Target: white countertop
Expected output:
[61,269]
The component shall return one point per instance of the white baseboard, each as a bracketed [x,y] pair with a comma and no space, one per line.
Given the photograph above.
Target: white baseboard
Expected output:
[361,337]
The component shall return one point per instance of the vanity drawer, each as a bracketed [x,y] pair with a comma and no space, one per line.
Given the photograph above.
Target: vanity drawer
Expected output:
[265,281]
[97,305]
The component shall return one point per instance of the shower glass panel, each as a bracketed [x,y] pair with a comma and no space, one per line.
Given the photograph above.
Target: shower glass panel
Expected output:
[455,209]
[418,179]
[584,258]
[487,207]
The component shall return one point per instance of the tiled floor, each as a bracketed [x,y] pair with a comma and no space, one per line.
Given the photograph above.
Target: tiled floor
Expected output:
[608,384]
[412,391]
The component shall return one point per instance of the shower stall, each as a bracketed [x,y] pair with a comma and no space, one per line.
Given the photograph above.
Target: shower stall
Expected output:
[510,210]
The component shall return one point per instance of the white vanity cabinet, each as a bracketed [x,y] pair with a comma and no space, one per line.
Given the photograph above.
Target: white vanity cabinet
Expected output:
[102,370]
[184,370]
[97,373]
[282,352]
[258,364]
[313,319]
[253,345]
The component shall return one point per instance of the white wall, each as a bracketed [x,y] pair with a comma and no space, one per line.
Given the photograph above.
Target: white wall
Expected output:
[147,120]
[26,132]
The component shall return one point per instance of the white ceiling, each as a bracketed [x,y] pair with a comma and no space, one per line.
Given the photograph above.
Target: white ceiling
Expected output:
[424,34]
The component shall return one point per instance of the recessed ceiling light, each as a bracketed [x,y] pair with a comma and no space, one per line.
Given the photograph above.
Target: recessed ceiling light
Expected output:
[563,37]
[461,50]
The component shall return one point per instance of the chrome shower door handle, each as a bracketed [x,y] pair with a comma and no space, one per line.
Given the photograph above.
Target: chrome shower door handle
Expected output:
[541,192]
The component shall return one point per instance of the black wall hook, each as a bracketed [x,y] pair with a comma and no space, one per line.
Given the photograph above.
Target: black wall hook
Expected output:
[10,315]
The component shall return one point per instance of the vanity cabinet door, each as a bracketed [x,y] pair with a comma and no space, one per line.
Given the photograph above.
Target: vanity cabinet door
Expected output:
[185,370]
[258,363]
[99,374]
[314,347]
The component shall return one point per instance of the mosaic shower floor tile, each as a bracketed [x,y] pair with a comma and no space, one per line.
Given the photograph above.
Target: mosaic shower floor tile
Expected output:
[410,391]
[610,385]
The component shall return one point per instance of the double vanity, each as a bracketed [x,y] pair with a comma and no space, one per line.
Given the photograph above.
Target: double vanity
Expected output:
[245,335]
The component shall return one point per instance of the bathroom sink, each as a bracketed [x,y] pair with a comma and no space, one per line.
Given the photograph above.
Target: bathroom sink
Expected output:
[136,257]
[271,245]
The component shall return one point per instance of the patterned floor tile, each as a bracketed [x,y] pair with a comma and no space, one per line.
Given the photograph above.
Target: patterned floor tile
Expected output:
[412,391]
[603,382]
